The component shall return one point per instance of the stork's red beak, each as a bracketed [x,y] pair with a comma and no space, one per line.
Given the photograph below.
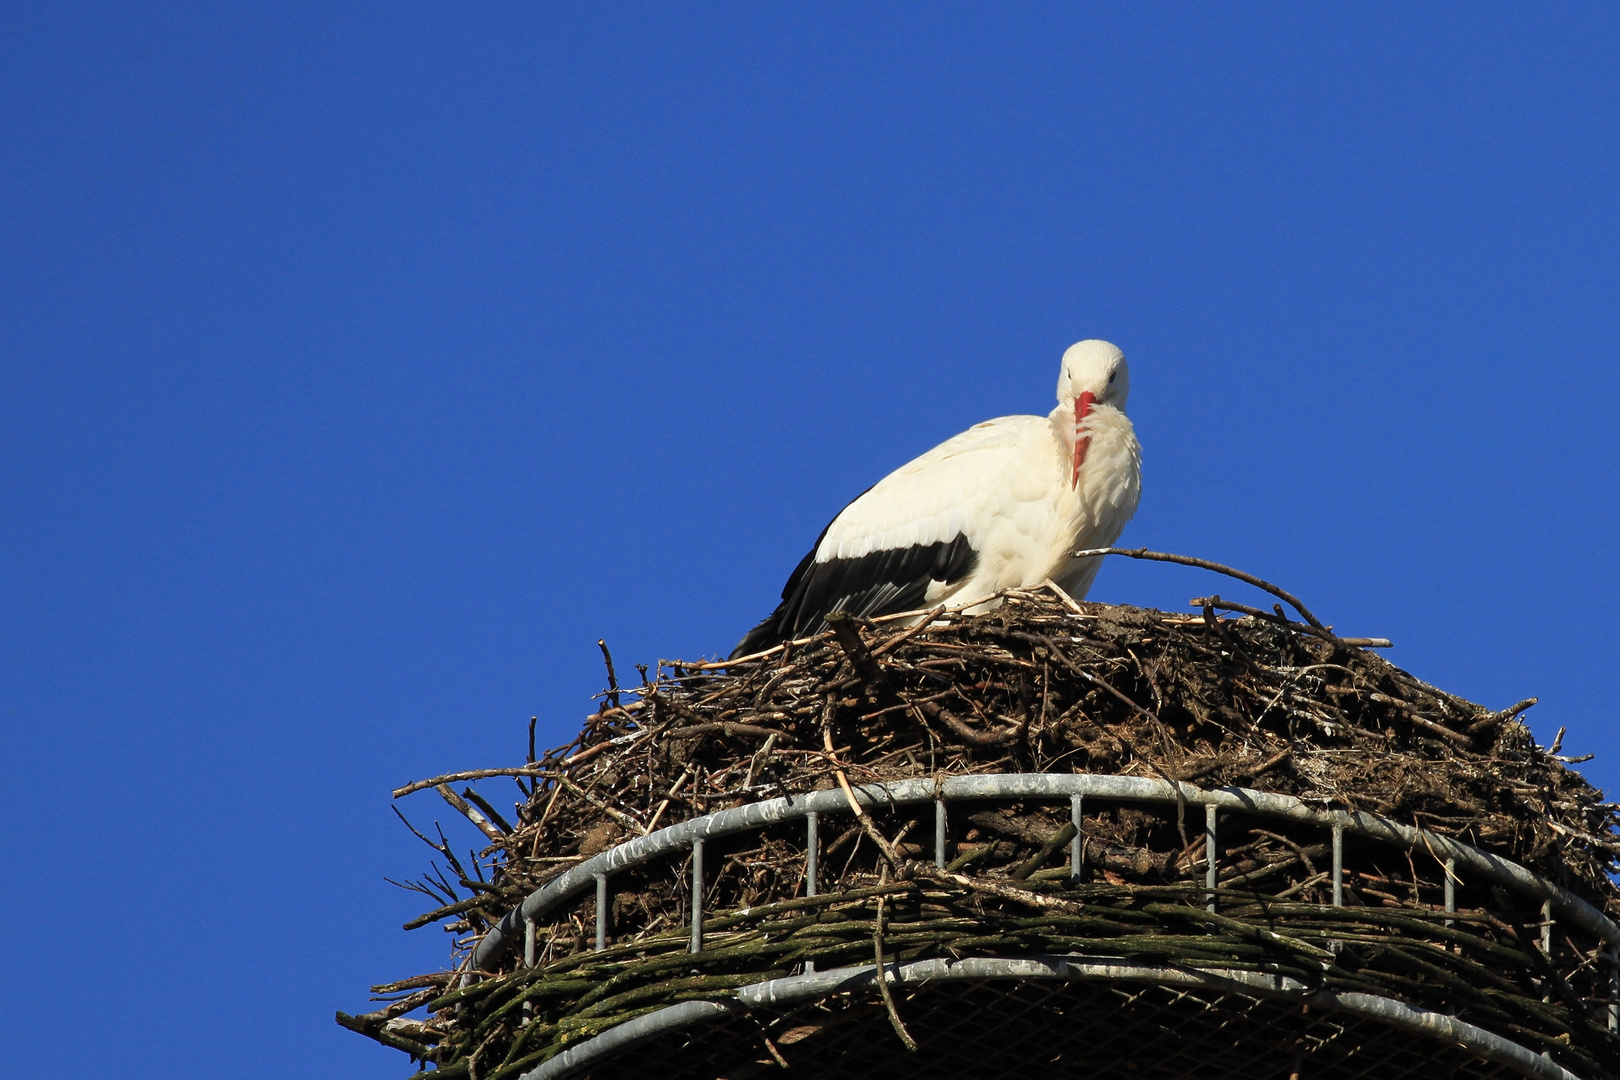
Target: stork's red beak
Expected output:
[1082,406]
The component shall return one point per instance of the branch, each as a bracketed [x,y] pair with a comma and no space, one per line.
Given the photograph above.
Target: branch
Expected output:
[470,774]
[483,824]
[1204,564]
[1276,620]
[1003,892]
[613,679]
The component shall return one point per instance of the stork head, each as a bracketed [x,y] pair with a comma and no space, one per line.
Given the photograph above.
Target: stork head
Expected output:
[1094,373]
[1096,368]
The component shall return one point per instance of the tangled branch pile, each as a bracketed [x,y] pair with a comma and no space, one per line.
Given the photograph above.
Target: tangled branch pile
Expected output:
[1040,685]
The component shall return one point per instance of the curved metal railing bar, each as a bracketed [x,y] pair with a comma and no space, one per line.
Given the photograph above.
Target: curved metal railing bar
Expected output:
[810,987]
[1045,786]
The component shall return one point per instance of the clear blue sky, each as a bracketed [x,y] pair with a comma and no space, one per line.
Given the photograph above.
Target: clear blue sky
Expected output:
[360,367]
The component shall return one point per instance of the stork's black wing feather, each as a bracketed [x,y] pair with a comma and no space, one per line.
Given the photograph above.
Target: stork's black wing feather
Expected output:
[877,583]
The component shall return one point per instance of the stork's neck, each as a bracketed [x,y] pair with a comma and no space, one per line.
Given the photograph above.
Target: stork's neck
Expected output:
[1085,430]
[1064,424]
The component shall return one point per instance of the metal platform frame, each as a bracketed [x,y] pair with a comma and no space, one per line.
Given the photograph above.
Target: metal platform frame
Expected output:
[814,986]
[689,837]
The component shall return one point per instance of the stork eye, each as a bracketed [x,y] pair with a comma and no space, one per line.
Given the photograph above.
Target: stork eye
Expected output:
[1112,376]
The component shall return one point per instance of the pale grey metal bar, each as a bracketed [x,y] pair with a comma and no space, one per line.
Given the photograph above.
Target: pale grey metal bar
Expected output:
[1211,823]
[528,961]
[1447,1030]
[939,834]
[1546,945]
[601,912]
[1077,848]
[1054,786]
[697,894]
[812,862]
[812,853]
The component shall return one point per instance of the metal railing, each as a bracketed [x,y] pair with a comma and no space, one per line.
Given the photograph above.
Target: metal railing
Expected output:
[788,992]
[690,837]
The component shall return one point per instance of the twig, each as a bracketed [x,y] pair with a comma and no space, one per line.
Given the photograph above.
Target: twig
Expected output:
[539,826]
[776,1054]
[458,908]
[489,811]
[607,808]
[613,680]
[1271,762]
[484,825]
[889,854]
[729,728]
[963,731]
[673,788]
[1204,564]
[1033,863]
[759,757]
[1215,602]
[1108,686]
[472,774]
[1411,714]
[906,635]
[860,657]
[1068,601]
[883,981]
[1004,892]
[1496,720]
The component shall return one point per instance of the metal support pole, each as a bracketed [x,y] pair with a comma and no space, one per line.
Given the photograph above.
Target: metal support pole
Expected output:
[697,895]
[1077,845]
[601,912]
[1211,818]
[1338,866]
[939,833]
[1451,889]
[812,853]
[528,961]
[1546,945]
[812,863]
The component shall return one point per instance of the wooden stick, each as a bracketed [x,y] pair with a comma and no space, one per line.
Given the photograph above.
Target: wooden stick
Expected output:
[472,774]
[883,981]
[1215,602]
[906,635]
[483,823]
[673,788]
[865,819]
[730,728]
[613,679]
[1204,564]
[1068,601]
[1005,892]
[601,804]
[1033,863]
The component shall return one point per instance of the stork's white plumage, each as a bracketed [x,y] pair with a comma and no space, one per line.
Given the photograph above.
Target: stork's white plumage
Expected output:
[999,506]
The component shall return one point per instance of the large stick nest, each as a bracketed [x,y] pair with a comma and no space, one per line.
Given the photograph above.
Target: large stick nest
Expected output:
[1040,684]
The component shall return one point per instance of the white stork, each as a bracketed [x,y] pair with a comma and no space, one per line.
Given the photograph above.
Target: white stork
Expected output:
[999,506]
